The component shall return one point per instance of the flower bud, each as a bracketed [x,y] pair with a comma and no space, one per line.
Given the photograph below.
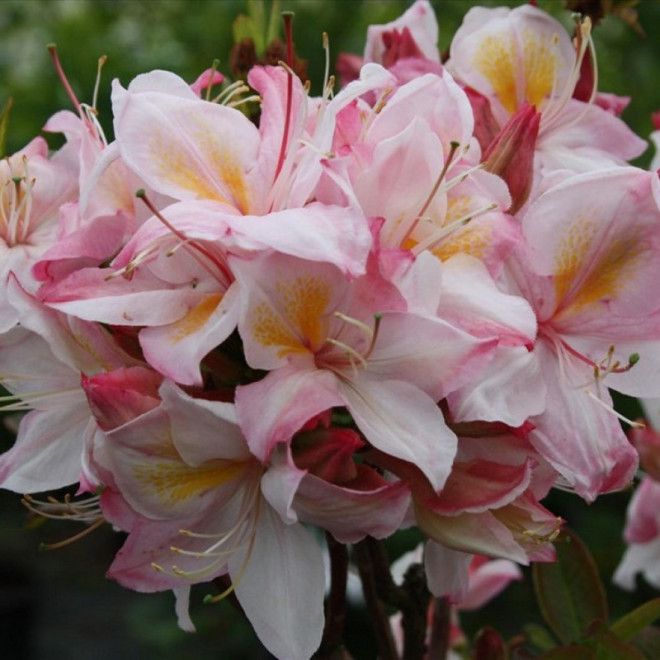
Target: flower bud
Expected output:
[511,154]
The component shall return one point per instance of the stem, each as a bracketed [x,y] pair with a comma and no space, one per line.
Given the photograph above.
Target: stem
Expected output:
[439,644]
[369,574]
[414,613]
[335,611]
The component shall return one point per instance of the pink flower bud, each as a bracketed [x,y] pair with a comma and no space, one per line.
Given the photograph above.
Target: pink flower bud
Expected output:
[511,154]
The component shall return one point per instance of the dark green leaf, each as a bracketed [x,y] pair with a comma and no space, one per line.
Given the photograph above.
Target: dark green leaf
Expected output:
[570,652]
[648,642]
[607,646]
[569,591]
[634,622]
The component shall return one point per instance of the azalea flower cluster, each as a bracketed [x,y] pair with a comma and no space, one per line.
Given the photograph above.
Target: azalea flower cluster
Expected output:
[398,304]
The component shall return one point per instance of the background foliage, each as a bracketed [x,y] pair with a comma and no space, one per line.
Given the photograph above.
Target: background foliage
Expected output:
[58,604]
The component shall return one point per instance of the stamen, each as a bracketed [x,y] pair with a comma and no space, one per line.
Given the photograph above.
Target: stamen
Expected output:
[52,49]
[355,322]
[542,539]
[584,43]
[102,60]
[326,72]
[214,68]
[71,539]
[618,415]
[351,353]
[208,599]
[434,239]
[226,278]
[237,87]
[443,172]
[255,98]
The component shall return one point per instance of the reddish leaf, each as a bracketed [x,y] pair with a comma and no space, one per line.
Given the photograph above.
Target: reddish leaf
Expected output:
[570,592]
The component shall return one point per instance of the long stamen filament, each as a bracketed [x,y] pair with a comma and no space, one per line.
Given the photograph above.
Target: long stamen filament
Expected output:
[226,278]
[432,241]
[436,186]
[72,539]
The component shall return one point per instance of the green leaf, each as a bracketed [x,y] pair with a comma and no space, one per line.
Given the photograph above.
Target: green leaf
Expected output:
[569,591]
[539,637]
[274,22]
[634,622]
[571,652]
[607,646]
[648,642]
[4,125]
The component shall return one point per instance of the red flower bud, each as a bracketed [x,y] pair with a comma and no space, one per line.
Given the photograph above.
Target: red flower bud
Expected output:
[511,154]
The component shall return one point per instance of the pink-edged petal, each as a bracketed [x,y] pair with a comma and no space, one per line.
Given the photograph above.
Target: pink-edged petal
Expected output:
[146,560]
[287,306]
[348,514]
[281,481]
[47,454]
[119,396]
[154,479]
[282,588]
[585,138]
[182,607]
[85,347]
[396,183]
[177,349]
[273,409]
[187,148]
[481,485]
[602,250]
[446,571]
[403,421]
[427,352]
[91,295]
[474,533]
[271,83]
[487,580]
[203,430]
[578,433]
[639,558]
[471,300]
[510,389]
[642,521]
[419,19]
[317,232]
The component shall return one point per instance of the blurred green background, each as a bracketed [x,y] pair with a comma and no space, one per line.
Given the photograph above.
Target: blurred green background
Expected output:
[59,605]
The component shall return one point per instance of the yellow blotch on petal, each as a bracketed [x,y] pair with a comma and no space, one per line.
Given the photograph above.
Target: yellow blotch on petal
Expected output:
[175,482]
[216,175]
[517,74]
[571,254]
[296,322]
[196,317]
[494,59]
[539,64]
[614,268]
[472,240]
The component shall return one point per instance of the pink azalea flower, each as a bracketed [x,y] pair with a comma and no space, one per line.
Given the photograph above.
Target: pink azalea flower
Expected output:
[181,480]
[329,341]
[412,161]
[588,274]
[642,534]
[513,56]
[32,188]
[41,361]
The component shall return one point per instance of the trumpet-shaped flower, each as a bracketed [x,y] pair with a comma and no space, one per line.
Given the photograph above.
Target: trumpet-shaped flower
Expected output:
[181,480]
[329,341]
